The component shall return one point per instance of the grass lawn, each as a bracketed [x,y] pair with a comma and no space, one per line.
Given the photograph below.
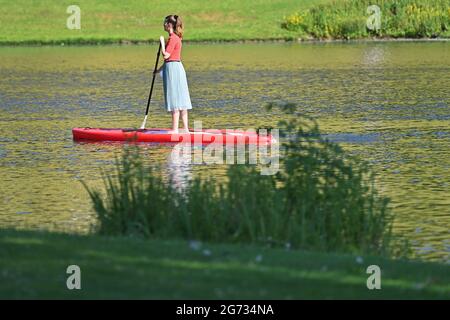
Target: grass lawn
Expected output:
[33,265]
[44,21]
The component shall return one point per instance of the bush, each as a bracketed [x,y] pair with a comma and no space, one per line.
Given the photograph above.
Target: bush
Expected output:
[321,199]
[347,19]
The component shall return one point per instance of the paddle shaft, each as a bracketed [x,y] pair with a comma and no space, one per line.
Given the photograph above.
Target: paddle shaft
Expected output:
[153,80]
[151,88]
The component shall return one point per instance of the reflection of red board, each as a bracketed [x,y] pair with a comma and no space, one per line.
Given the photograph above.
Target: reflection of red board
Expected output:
[162,135]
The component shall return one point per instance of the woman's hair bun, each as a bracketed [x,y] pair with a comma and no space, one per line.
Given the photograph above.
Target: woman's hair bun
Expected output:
[176,17]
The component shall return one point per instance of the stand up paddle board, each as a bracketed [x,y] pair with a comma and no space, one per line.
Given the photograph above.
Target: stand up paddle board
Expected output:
[206,136]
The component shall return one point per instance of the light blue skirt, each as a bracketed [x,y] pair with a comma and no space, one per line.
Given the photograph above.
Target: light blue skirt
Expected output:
[176,91]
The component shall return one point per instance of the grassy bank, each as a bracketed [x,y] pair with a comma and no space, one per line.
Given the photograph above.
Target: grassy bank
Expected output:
[347,19]
[44,22]
[33,265]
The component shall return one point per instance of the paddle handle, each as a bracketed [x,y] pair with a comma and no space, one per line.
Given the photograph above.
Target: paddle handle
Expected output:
[151,88]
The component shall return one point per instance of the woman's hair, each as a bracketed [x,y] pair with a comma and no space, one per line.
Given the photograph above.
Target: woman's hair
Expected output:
[177,24]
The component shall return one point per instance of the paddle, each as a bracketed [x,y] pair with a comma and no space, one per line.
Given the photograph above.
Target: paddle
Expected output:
[151,88]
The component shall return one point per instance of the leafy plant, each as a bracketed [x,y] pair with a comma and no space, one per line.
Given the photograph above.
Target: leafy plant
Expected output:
[347,19]
[322,198]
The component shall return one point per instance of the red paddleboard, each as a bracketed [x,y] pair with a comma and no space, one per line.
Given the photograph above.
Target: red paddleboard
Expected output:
[206,136]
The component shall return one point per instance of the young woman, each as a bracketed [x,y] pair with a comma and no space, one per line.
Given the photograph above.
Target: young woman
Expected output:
[176,91]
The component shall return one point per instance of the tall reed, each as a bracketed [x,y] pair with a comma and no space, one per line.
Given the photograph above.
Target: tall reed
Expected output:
[322,198]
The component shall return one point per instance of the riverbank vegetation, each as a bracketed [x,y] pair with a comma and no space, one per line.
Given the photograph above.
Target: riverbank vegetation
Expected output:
[347,19]
[321,199]
[115,21]
[44,22]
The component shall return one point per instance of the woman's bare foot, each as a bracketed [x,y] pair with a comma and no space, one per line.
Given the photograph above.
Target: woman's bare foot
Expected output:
[173,132]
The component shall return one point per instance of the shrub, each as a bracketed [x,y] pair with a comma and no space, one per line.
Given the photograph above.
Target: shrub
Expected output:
[322,199]
[347,19]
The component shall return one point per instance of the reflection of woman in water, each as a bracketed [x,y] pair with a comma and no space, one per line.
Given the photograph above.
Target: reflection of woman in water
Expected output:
[179,163]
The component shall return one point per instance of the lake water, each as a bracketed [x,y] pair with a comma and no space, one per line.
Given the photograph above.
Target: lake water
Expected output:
[387,102]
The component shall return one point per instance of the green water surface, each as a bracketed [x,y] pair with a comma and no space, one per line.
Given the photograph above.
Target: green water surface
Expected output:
[387,102]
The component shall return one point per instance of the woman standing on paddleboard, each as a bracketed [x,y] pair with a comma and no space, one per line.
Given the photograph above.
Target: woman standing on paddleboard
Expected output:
[176,91]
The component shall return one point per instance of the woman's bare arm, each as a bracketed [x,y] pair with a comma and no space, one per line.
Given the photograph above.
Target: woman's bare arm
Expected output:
[163,48]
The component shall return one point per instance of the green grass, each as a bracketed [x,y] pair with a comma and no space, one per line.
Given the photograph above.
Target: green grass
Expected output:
[33,265]
[346,19]
[115,21]
[44,21]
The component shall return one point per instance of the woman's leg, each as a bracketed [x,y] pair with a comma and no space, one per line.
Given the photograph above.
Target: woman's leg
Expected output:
[184,117]
[175,120]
